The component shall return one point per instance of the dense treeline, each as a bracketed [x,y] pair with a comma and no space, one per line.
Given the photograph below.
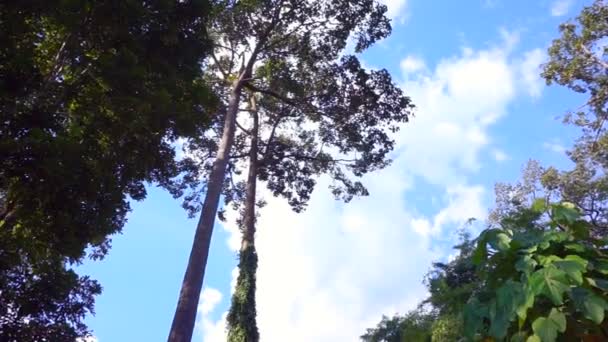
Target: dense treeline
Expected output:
[539,272]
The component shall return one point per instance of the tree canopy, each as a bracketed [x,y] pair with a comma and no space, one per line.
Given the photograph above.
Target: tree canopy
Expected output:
[93,95]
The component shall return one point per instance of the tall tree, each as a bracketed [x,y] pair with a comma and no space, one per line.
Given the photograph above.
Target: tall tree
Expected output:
[92,95]
[311,103]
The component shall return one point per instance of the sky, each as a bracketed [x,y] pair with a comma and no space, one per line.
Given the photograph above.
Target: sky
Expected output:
[471,68]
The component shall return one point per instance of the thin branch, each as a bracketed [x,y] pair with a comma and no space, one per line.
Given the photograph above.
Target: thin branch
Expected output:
[242,128]
[331,160]
[219,66]
[272,93]
[271,137]
[598,60]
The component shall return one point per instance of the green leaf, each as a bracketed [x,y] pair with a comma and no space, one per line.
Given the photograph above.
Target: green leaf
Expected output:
[565,212]
[551,282]
[533,338]
[580,229]
[502,241]
[547,328]
[474,315]
[594,309]
[575,247]
[522,308]
[498,240]
[600,266]
[519,337]
[526,264]
[508,298]
[574,266]
[539,205]
[590,304]
[599,283]
[481,251]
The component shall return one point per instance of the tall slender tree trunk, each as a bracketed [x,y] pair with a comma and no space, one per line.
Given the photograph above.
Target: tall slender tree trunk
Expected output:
[242,325]
[185,313]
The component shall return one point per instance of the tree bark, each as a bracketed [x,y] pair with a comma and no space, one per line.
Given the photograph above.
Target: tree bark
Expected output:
[185,313]
[250,198]
[242,325]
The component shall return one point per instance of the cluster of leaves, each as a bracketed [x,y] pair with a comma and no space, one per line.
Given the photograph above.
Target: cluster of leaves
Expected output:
[540,283]
[92,95]
[438,318]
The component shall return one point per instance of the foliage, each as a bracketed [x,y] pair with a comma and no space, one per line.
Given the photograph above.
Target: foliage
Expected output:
[319,111]
[243,309]
[439,318]
[540,283]
[92,95]
[414,326]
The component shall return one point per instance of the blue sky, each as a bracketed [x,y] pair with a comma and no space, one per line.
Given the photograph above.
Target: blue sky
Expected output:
[471,67]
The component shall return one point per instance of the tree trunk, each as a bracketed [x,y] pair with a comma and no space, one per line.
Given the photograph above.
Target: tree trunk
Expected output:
[185,313]
[242,325]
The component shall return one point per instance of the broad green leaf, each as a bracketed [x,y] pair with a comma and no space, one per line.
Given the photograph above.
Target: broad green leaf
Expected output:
[559,319]
[526,264]
[533,338]
[594,308]
[519,337]
[474,314]
[498,239]
[503,241]
[575,247]
[574,266]
[551,282]
[565,212]
[508,298]
[547,260]
[548,328]
[590,304]
[522,308]
[481,251]
[580,229]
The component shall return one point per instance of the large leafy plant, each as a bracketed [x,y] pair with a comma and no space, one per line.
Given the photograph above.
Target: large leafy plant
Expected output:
[547,282]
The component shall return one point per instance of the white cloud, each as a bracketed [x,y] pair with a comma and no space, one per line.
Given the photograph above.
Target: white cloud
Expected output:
[499,155]
[530,72]
[561,7]
[412,64]
[210,297]
[213,331]
[331,272]
[396,8]
[554,146]
[490,3]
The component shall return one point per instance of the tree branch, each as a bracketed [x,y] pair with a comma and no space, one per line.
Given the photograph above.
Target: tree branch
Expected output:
[272,93]
[598,60]
[224,74]
[242,128]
